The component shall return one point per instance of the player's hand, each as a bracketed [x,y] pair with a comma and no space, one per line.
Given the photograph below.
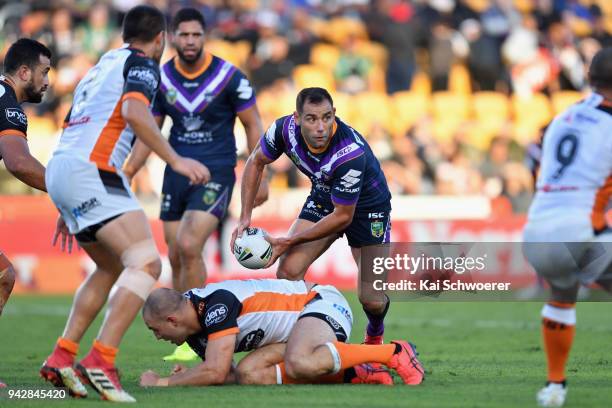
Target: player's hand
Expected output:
[62,229]
[262,193]
[178,368]
[149,379]
[196,172]
[279,247]
[242,225]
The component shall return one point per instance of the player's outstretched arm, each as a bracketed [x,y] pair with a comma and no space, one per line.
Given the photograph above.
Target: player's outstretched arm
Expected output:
[213,371]
[251,178]
[137,115]
[333,223]
[20,163]
[251,120]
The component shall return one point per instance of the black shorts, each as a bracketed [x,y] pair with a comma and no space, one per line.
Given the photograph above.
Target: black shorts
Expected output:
[367,228]
[179,196]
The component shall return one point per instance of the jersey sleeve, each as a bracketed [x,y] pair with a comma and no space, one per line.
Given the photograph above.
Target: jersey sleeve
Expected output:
[222,311]
[241,93]
[13,120]
[141,78]
[348,180]
[158,107]
[272,143]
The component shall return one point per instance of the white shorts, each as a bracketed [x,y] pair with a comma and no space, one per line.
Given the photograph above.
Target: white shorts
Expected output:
[583,257]
[333,308]
[86,195]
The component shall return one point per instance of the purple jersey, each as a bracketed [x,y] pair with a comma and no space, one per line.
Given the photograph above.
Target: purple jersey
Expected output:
[203,109]
[345,173]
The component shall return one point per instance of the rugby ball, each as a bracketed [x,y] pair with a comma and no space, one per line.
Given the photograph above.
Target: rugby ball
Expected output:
[251,249]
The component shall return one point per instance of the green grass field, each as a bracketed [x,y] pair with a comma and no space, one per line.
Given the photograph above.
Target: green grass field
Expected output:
[475,355]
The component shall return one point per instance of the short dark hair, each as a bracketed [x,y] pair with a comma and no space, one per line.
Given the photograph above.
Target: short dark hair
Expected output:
[162,302]
[24,51]
[600,71]
[188,14]
[143,23]
[313,95]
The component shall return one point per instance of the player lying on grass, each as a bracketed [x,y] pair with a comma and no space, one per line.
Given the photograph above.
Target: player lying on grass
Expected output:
[261,367]
[234,316]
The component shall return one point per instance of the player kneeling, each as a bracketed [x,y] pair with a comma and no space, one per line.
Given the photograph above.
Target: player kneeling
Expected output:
[234,316]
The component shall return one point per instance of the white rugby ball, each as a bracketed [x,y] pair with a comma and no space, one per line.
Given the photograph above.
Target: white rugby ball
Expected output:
[251,249]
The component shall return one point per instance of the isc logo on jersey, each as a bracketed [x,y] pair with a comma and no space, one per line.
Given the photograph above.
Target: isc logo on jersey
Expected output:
[216,314]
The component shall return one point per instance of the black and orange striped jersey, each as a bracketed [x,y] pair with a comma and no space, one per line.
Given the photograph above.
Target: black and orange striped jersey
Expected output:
[258,312]
[13,120]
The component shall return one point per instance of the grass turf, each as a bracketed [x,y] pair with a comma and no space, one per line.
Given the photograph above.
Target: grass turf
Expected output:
[475,355]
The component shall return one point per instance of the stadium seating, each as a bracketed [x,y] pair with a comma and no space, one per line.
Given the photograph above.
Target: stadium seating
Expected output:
[450,107]
[491,110]
[459,80]
[324,55]
[370,108]
[309,75]
[534,109]
[561,100]
[408,107]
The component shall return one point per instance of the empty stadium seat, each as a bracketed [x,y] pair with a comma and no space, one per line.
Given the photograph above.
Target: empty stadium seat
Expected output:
[407,108]
[371,107]
[310,75]
[533,109]
[421,83]
[450,107]
[324,55]
[561,100]
[491,110]
[459,80]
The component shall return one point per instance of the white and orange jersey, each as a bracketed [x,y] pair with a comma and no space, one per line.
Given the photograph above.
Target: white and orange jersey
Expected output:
[94,129]
[259,312]
[575,179]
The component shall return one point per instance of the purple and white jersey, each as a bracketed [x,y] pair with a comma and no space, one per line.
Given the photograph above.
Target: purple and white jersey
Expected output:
[345,173]
[203,108]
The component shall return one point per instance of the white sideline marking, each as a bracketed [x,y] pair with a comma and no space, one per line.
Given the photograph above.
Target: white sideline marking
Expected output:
[533,324]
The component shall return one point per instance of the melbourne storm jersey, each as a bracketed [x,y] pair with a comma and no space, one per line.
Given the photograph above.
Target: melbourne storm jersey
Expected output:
[258,312]
[203,108]
[345,173]
[13,120]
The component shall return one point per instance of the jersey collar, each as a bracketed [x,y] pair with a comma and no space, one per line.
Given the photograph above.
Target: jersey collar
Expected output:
[8,81]
[207,61]
[322,149]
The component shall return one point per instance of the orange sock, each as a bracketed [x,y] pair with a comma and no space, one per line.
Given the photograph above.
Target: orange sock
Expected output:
[353,354]
[326,379]
[558,329]
[108,353]
[68,345]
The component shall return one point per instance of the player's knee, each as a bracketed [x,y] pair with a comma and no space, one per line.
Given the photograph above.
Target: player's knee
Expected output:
[284,272]
[174,258]
[154,268]
[187,249]
[7,278]
[372,305]
[297,366]
[142,268]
